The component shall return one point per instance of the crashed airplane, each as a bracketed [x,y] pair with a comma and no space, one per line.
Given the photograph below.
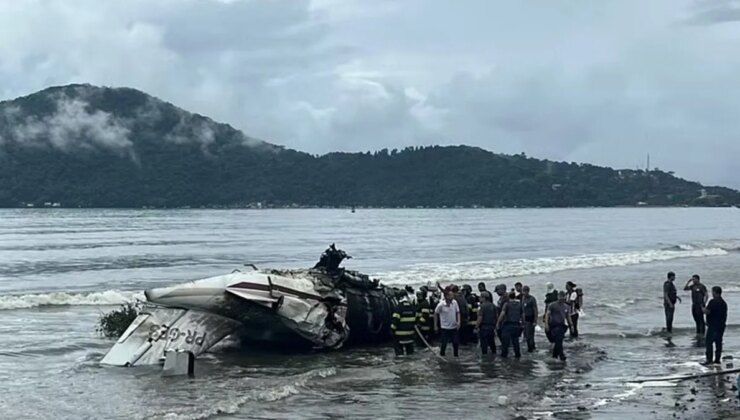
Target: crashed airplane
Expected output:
[322,308]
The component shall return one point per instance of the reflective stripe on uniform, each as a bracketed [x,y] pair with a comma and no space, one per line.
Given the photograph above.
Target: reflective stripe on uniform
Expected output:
[404,333]
[408,319]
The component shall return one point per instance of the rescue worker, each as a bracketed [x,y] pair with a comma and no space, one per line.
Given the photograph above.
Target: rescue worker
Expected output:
[699,297]
[573,299]
[518,290]
[529,307]
[462,304]
[550,297]
[557,322]
[473,303]
[510,325]
[503,297]
[486,323]
[716,312]
[482,288]
[424,320]
[402,326]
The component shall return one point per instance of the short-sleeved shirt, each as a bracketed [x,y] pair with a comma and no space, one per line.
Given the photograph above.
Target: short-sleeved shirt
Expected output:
[669,289]
[529,306]
[488,314]
[447,314]
[558,311]
[717,316]
[698,291]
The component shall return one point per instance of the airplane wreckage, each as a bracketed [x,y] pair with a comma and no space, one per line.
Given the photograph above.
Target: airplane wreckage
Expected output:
[323,308]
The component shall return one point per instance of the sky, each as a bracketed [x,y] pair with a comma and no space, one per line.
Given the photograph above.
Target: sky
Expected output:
[606,82]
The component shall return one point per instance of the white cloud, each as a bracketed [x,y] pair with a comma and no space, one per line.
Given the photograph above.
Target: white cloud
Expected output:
[604,82]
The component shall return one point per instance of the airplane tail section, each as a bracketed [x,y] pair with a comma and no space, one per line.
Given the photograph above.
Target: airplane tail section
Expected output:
[158,330]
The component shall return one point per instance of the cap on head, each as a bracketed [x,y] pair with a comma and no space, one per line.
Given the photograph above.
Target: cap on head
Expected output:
[500,288]
[550,286]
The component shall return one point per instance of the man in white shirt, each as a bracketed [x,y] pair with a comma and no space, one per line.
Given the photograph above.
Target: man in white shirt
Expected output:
[447,322]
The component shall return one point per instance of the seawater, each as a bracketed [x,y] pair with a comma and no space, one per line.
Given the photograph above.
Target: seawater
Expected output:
[60,269]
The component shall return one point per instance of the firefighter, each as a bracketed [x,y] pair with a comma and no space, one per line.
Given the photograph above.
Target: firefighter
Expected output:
[473,304]
[402,326]
[424,318]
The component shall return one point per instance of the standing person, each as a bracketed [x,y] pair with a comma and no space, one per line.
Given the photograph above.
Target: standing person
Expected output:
[424,316]
[699,297]
[518,290]
[473,302]
[447,322]
[573,300]
[557,322]
[462,304]
[529,307]
[510,325]
[482,288]
[486,323]
[402,326]
[716,312]
[503,297]
[550,297]
[670,297]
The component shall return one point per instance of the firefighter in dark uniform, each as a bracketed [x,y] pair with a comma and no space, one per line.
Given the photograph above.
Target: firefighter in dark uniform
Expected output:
[473,304]
[402,326]
[424,316]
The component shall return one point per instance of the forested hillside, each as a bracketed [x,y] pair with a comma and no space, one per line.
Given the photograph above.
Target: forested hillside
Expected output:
[86,146]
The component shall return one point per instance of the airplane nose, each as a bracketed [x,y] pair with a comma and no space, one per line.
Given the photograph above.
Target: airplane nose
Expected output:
[156,294]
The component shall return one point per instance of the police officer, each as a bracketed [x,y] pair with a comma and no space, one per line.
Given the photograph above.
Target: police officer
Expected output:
[529,306]
[402,326]
[510,325]
[424,319]
[486,323]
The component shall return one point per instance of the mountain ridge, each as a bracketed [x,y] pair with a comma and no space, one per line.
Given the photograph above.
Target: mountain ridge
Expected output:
[86,146]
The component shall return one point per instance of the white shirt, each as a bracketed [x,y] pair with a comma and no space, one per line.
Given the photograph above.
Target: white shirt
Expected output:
[447,314]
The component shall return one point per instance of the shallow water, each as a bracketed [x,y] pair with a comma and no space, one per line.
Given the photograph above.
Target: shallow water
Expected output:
[59,269]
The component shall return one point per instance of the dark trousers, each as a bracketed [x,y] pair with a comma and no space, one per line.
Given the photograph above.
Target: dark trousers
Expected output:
[487,337]
[697,311]
[558,334]
[510,334]
[448,336]
[574,325]
[529,335]
[714,338]
[669,317]
[400,345]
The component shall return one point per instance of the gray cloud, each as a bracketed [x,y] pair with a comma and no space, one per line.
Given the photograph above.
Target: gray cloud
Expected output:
[603,82]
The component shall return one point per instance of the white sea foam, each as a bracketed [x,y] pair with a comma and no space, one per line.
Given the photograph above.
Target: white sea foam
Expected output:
[108,297]
[496,269]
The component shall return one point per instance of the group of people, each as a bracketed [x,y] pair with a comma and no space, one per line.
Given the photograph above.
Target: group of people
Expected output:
[710,316]
[456,315]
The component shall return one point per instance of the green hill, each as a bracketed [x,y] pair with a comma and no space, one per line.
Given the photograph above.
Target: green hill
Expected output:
[86,146]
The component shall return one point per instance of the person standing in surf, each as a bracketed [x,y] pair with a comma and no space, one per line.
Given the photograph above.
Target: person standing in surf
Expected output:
[573,299]
[557,322]
[529,306]
[447,323]
[699,297]
[486,323]
[550,297]
[716,312]
[670,297]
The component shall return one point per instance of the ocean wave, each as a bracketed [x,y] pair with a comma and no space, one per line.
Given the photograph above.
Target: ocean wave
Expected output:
[233,404]
[497,269]
[105,298]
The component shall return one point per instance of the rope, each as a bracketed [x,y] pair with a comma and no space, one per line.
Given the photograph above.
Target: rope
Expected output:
[426,343]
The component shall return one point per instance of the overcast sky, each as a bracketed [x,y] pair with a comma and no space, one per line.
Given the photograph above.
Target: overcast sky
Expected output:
[605,82]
